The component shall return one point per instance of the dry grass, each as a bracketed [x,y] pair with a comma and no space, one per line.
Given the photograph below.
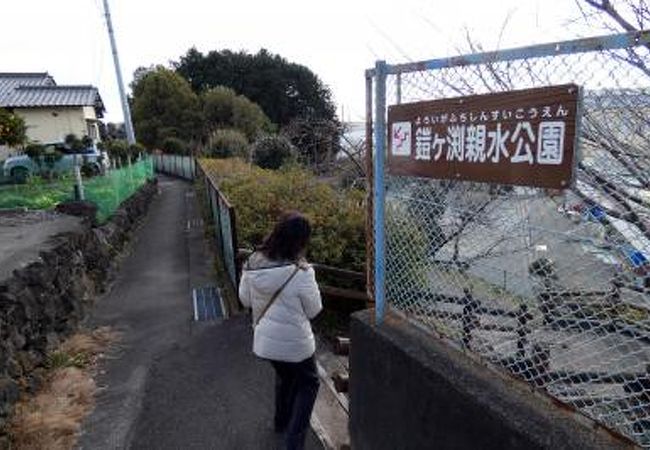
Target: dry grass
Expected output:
[52,418]
[92,343]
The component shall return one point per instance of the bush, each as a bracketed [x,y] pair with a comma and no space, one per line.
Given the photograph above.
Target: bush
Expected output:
[223,108]
[317,140]
[226,143]
[163,107]
[76,144]
[118,150]
[89,170]
[259,196]
[272,152]
[13,130]
[218,106]
[136,149]
[174,146]
[44,157]
[249,118]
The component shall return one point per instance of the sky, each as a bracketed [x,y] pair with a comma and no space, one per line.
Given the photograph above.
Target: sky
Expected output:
[337,39]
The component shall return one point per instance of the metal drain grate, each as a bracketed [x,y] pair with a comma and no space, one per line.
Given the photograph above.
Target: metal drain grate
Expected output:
[193,224]
[208,303]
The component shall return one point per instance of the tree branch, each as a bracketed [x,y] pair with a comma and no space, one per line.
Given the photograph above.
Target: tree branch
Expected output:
[466,221]
[607,7]
[620,195]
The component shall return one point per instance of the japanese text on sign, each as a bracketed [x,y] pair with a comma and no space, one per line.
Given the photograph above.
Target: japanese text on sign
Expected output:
[533,128]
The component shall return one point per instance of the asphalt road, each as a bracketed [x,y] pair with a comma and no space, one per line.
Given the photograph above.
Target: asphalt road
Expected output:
[211,394]
[173,386]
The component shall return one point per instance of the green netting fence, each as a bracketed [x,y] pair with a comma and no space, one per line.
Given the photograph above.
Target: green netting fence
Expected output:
[106,191]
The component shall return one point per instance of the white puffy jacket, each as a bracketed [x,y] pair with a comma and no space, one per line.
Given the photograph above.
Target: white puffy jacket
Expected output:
[284,333]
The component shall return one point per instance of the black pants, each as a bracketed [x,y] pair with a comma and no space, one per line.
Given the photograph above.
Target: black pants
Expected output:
[296,387]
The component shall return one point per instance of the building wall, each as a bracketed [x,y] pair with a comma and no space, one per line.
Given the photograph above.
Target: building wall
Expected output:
[410,390]
[5,151]
[53,124]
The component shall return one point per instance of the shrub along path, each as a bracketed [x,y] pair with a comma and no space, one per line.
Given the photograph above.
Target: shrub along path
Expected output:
[174,386]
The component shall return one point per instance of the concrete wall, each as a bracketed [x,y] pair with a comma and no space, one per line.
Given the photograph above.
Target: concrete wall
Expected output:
[409,390]
[53,124]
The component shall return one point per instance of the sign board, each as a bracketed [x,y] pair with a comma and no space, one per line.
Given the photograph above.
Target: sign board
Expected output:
[524,138]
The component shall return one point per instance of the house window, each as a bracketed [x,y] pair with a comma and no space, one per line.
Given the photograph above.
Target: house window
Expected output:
[93,131]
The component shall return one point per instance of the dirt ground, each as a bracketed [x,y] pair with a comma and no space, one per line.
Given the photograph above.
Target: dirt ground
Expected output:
[24,234]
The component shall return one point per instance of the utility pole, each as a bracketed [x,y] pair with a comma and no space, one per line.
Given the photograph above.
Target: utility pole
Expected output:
[130,135]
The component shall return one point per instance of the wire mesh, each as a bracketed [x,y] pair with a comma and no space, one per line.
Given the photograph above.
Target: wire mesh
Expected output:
[110,190]
[107,191]
[551,286]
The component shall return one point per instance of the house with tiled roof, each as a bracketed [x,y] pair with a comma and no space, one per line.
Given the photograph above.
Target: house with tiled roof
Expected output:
[51,111]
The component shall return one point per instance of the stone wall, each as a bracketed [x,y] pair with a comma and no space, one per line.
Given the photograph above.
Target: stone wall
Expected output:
[45,300]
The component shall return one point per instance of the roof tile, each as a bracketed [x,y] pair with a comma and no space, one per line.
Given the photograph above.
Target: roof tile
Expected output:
[30,90]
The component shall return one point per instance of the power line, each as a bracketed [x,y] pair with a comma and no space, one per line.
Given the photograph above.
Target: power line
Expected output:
[391,41]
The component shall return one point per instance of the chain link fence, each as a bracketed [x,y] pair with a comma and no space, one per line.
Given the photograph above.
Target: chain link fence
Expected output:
[552,286]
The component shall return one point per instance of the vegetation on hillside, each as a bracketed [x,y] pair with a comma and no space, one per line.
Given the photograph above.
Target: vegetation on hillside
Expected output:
[260,195]
[164,106]
[284,90]
[258,96]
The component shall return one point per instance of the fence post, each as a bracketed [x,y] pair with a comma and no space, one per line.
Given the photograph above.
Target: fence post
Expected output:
[130,173]
[370,254]
[379,193]
[233,237]
[79,184]
[469,317]
[398,93]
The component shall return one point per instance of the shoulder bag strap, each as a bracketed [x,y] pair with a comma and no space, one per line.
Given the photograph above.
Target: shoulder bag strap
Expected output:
[275,296]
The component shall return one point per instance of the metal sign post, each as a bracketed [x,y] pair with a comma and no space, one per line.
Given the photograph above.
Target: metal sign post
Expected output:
[79,185]
[379,197]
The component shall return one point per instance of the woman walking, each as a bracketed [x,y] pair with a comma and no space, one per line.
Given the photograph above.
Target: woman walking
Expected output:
[280,287]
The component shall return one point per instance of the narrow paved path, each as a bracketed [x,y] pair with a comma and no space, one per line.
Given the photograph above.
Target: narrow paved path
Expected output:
[173,386]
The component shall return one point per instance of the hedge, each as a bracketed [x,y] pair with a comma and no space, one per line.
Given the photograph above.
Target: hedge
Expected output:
[259,196]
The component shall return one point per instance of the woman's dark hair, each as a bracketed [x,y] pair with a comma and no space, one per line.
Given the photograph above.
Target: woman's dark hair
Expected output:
[289,237]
